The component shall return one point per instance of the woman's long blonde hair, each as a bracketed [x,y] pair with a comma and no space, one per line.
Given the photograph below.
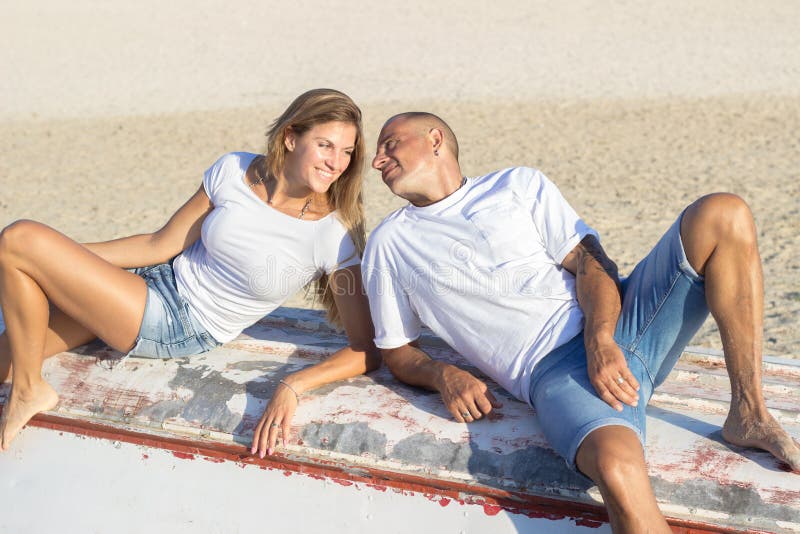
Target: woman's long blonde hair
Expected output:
[319,106]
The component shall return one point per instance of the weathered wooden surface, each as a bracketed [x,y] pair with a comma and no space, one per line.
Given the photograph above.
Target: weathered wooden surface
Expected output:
[373,423]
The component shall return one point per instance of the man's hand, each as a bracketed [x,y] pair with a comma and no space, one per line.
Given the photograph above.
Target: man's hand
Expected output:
[599,296]
[467,398]
[609,374]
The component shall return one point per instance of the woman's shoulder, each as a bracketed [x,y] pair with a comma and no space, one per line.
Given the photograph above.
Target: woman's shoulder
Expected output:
[235,160]
[334,247]
[331,226]
[228,168]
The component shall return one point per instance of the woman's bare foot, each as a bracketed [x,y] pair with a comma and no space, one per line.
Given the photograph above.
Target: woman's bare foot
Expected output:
[5,370]
[766,434]
[22,406]
[5,359]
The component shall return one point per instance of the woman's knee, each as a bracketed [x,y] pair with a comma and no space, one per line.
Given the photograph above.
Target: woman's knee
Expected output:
[19,237]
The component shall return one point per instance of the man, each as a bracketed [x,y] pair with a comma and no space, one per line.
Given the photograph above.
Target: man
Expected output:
[504,270]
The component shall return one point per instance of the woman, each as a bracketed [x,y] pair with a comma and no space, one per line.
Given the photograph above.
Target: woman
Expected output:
[258,229]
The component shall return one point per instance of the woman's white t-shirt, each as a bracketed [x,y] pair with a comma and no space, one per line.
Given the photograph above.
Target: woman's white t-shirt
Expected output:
[251,257]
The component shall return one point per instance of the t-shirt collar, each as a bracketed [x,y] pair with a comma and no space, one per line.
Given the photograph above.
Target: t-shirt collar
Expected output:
[437,207]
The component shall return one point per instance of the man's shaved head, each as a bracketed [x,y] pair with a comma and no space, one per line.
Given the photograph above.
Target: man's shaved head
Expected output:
[427,121]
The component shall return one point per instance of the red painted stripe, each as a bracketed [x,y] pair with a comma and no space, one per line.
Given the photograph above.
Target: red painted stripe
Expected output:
[492,499]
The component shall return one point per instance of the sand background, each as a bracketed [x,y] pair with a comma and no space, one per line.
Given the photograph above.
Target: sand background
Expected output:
[110,112]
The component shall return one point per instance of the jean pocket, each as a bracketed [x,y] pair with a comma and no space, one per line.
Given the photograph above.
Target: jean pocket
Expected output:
[143,271]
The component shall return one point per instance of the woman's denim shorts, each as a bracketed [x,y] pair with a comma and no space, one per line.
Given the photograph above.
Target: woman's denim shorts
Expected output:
[169,328]
[663,306]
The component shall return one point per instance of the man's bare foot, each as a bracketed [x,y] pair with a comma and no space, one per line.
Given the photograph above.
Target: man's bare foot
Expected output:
[21,407]
[765,434]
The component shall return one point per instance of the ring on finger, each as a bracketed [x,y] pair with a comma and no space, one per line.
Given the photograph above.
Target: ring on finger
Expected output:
[274,425]
[620,380]
[465,415]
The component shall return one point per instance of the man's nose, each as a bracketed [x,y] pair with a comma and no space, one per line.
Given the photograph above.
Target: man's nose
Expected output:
[378,160]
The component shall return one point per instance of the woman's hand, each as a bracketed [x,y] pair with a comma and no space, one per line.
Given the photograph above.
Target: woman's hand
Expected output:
[358,358]
[277,416]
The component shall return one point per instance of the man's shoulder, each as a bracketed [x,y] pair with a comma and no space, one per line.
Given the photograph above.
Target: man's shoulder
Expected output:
[522,181]
[383,234]
[511,175]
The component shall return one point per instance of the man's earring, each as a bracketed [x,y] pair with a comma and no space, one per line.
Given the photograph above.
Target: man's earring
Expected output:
[436,152]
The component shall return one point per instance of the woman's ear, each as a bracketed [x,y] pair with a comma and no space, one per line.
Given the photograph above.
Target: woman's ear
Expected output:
[289,139]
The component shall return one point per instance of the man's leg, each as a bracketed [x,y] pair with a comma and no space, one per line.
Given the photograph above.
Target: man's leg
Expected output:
[613,458]
[719,238]
[605,445]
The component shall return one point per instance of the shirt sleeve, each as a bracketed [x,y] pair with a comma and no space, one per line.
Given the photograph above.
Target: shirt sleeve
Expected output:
[336,249]
[213,178]
[559,225]
[395,321]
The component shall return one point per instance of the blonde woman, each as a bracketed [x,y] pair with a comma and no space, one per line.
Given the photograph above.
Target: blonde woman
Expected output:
[259,228]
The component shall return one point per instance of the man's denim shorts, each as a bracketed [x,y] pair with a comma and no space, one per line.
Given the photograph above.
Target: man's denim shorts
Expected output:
[169,328]
[663,305]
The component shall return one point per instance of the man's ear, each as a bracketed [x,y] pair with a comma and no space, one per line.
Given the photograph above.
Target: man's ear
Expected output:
[437,137]
[289,139]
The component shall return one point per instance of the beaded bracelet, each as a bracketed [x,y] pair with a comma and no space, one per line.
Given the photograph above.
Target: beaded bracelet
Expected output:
[290,389]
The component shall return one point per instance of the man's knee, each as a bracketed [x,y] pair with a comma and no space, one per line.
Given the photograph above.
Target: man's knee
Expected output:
[714,220]
[725,215]
[612,456]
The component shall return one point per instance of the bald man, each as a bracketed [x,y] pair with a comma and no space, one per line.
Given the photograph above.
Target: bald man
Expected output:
[506,272]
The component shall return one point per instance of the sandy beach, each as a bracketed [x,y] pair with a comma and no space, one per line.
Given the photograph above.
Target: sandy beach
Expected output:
[110,114]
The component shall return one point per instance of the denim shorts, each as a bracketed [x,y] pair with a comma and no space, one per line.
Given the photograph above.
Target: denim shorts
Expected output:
[663,306]
[169,328]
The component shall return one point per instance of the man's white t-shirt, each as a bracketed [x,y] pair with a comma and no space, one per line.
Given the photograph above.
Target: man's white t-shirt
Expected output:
[482,269]
[251,257]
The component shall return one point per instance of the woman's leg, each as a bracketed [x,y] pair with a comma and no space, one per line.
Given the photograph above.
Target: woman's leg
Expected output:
[63,333]
[38,264]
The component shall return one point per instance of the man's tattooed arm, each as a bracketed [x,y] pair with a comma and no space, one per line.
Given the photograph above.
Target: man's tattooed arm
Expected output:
[600,298]
[591,256]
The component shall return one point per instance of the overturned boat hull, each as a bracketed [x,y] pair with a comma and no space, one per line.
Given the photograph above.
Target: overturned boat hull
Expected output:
[162,445]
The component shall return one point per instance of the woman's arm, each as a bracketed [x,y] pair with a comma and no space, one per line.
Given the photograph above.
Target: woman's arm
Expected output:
[360,357]
[182,229]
